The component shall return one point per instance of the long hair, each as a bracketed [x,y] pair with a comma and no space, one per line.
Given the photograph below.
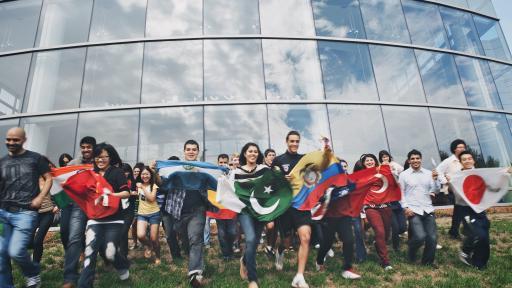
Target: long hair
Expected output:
[243,160]
[369,155]
[62,157]
[151,178]
[115,160]
[128,169]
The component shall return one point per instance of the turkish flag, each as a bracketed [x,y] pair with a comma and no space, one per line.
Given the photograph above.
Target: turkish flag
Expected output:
[381,184]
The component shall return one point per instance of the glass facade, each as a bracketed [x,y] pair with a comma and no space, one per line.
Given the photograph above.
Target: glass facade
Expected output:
[147,75]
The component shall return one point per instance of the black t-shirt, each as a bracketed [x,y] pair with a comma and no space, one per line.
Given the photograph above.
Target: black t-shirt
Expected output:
[115,177]
[19,177]
[287,161]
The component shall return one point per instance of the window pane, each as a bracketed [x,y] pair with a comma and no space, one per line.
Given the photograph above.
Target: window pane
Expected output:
[13,78]
[168,18]
[118,19]
[309,120]
[55,81]
[118,128]
[338,18]
[286,18]
[410,128]
[482,6]
[478,83]
[347,71]
[425,24]
[365,122]
[160,140]
[492,38]
[112,75]
[64,22]
[503,78]
[233,70]
[384,20]
[292,71]
[18,24]
[4,126]
[495,138]
[440,78]
[231,17]
[397,74]
[51,135]
[459,3]
[221,136]
[461,31]
[173,72]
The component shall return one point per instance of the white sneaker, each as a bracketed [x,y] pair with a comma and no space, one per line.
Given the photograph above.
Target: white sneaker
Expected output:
[330,253]
[34,282]
[439,247]
[350,274]
[464,258]
[388,268]
[317,246]
[319,268]
[279,261]
[123,274]
[299,281]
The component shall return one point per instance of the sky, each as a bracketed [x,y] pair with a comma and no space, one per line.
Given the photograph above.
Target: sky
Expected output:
[504,11]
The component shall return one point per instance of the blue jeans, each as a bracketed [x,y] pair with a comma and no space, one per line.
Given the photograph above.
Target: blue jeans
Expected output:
[359,239]
[14,241]
[193,225]
[171,235]
[72,233]
[206,234]
[252,230]
[422,230]
[226,231]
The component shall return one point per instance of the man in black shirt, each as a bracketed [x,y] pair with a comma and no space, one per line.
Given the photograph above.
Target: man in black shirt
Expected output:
[20,198]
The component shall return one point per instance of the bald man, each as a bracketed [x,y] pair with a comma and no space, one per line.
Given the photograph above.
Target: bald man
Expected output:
[20,198]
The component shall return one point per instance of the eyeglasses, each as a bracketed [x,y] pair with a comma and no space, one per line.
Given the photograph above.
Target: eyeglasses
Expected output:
[103,158]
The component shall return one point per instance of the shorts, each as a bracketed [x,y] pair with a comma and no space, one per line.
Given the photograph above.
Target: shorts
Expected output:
[292,220]
[153,218]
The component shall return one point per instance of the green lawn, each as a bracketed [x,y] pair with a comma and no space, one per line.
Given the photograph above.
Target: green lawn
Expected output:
[451,272]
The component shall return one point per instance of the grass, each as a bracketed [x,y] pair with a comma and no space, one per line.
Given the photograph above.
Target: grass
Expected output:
[451,272]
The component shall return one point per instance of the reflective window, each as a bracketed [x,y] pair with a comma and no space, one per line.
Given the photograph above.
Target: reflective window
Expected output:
[459,3]
[425,24]
[410,128]
[51,135]
[440,78]
[478,83]
[4,126]
[13,78]
[495,138]
[292,70]
[338,18]
[347,71]
[363,121]
[310,120]
[55,81]
[286,18]
[118,19]
[492,38]
[168,18]
[231,17]
[461,31]
[233,70]
[173,72]
[162,137]
[118,128]
[503,78]
[397,74]
[112,75]
[64,22]
[18,24]
[228,128]
[384,20]
[482,6]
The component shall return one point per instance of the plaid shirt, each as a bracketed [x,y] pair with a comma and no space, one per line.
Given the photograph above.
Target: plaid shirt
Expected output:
[174,202]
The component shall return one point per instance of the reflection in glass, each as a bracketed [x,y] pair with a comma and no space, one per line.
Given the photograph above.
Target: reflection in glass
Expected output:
[440,78]
[172,72]
[410,128]
[51,135]
[292,71]
[459,3]
[425,24]
[164,131]
[64,22]
[233,70]
[55,81]
[13,78]
[461,31]
[112,75]
[503,79]
[397,74]
[231,17]
[228,128]
[492,38]
[118,19]
[338,18]
[118,128]
[478,83]
[286,18]
[310,121]
[4,126]
[482,6]
[495,138]
[347,71]
[168,18]
[18,24]
[384,20]
[363,121]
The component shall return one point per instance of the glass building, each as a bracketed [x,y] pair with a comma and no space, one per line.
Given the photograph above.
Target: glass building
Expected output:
[146,75]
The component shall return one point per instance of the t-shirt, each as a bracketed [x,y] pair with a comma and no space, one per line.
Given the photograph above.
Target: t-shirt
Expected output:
[19,178]
[287,161]
[115,177]
[146,207]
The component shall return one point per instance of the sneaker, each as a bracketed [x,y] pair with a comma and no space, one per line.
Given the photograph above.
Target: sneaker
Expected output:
[123,274]
[253,284]
[439,247]
[270,252]
[464,258]
[350,274]
[34,282]
[279,261]
[299,281]
[319,267]
[388,268]
[243,269]
[330,253]
[196,280]
[317,246]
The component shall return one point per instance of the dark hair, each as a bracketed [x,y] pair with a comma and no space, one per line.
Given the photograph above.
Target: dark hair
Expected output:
[62,157]
[151,179]
[383,153]
[413,152]
[466,152]
[173,158]
[222,156]
[293,132]
[268,151]
[358,166]
[369,155]
[406,164]
[88,140]
[139,165]
[115,160]
[50,163]
[242,158]
[456,143]
[191,142]
[128,169]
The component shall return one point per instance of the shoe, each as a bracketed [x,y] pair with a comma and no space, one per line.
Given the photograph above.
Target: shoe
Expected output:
[388,268]
[270,252]
[196,280]
[34,282]
[319,267]
[465,258]
[243,269]
[350,274]
[279,261]
[439,247]
[317,246]
[253,284]
[299,281]
[147,253]
[330,253]
[123,274]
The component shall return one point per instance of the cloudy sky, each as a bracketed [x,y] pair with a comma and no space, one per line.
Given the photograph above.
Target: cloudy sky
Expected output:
[503,8]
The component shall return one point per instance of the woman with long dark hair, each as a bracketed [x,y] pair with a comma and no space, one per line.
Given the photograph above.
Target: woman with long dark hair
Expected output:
[64,159]
[129,213]
[134,197]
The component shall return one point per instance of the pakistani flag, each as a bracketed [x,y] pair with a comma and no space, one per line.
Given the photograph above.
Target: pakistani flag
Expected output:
[264,194]
[60,175]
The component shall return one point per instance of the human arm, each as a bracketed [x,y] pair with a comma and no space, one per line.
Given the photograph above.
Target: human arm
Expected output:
[45,189]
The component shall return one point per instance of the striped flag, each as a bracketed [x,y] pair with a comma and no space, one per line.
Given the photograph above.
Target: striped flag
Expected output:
[61,175]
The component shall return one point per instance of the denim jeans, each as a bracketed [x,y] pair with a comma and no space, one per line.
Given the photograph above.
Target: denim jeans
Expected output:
[422,230]
[398,225]
[476,244]
[171,235]
[226,231]
[44,221]
[457,218]
[72,233]
[252,230]
[359,239]
[193,224]
[342,226]
[206,234]
[14,241]
[129,214]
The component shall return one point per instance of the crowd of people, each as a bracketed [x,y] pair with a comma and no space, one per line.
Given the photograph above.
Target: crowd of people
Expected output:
[27,211]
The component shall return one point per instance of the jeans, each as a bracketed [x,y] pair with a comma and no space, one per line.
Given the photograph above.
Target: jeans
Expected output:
[342,226]
[422,230]
[193,224]
[457,217]
[476,244]
[44,221]
[359,239]
[206,232]
[226,231]
[129,214]
[72,233]
[252,230]
[171,235]
[380,220]
[398,226]
[14,241]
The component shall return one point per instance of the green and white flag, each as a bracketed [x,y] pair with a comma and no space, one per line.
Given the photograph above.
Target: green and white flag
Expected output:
[60,175]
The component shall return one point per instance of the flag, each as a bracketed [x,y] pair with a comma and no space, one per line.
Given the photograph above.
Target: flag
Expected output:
[481,188]
[264,194]
[219,211]
[60,175]
[381,184]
